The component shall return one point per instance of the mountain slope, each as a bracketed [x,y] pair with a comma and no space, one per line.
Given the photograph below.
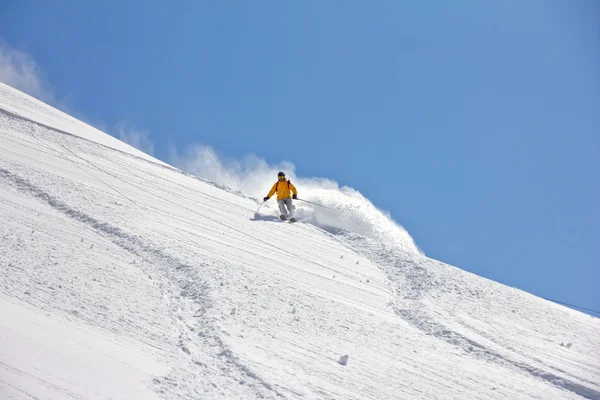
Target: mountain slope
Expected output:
[107,249]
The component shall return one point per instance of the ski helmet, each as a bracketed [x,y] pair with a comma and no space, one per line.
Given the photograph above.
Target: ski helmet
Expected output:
[281,174]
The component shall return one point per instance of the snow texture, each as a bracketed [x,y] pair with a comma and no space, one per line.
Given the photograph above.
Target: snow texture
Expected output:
[122,277]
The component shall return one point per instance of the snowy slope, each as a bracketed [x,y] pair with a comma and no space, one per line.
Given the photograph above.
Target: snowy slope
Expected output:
[122,277]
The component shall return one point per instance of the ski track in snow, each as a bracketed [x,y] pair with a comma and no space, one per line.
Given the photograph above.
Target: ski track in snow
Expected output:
[117,246]
[180,278]
[414,280]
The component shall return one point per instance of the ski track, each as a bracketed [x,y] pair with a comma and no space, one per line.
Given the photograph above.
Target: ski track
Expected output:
[178,277]
[255,308]
[413,281]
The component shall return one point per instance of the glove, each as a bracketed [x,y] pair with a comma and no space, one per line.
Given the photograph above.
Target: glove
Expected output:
[295,197]
[266,198]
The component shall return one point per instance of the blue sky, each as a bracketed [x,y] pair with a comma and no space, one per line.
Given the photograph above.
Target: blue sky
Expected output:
[476,124]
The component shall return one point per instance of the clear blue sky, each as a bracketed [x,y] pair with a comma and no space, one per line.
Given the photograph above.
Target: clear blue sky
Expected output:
[475,123]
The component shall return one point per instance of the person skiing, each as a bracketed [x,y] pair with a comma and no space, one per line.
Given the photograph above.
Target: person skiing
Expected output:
[285,193]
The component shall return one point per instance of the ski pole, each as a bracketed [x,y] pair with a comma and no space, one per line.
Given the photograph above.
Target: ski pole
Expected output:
[261,204]
[320,205]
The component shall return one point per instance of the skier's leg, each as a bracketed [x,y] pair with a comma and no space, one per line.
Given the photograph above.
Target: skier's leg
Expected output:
[281,204]
[290,206]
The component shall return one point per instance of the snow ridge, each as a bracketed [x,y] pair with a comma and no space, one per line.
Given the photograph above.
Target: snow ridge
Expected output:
[26,108]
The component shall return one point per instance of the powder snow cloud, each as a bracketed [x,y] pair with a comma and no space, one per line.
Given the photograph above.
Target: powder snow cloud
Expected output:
[20,71]
[348,209]
[138,138]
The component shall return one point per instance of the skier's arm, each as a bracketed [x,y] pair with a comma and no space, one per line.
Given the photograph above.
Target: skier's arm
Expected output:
[293,189]
[273,189]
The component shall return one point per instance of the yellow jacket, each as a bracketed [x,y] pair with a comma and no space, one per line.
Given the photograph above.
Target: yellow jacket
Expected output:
[283,189]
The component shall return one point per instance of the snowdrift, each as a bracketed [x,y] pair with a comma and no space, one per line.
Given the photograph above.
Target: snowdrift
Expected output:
[123,277]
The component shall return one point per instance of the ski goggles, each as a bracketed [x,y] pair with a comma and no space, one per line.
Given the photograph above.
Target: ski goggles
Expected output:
[281,178]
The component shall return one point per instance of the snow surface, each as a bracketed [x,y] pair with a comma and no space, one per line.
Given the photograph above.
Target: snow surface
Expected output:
[122,277]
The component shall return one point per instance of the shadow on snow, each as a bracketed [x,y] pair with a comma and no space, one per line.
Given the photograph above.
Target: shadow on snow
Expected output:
[261,217]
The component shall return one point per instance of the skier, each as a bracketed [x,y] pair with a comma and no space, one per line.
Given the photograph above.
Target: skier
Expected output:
[285,193]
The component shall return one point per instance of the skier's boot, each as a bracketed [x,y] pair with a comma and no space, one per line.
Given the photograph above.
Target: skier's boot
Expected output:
[283,217]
